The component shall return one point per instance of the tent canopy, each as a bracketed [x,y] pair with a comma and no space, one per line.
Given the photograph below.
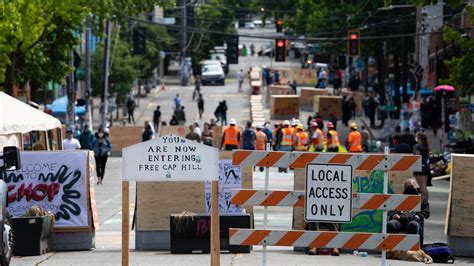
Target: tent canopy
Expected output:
[19,117]
[59,107]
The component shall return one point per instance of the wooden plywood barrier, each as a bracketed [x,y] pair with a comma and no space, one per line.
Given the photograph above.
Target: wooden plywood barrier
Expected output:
[460,213]
[302,76]
[284,106]
[277,90]
[122,137]
[156,201]
[307,96]
[327,105]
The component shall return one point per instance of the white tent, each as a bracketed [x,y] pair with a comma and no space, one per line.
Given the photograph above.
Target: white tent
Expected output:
[18,117]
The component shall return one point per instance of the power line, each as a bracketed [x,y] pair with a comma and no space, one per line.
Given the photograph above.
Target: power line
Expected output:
[290,38]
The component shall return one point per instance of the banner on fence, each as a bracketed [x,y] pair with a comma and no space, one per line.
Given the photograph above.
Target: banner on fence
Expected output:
[54,181]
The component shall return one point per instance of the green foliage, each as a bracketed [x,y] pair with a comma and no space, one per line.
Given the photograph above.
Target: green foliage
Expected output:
[124,70]
[460,68]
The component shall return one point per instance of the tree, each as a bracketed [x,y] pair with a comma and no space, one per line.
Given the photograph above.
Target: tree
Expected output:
[460,68]
[124,70]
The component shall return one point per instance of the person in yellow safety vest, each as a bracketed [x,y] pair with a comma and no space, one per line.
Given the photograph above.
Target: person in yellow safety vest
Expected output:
[260,141]
[317,139]
[231,136]
[286,143]
[301,139]
[354,140]
[332,139]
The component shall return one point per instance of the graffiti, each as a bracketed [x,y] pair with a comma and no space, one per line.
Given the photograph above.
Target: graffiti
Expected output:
[367,221]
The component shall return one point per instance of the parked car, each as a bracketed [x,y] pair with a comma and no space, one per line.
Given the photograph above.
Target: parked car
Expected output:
[249,25]
[222,59]
[212,74]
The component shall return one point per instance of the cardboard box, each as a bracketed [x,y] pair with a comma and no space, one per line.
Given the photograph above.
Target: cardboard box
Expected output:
[325,105]
[306,96]
[284,106]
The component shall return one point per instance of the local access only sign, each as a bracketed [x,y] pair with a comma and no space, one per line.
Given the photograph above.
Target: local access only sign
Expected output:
[328,195]
[170,158]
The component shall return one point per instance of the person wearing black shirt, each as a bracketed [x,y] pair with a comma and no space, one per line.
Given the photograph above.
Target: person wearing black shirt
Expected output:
[408,138]
[408,221]
[400,147]
[157,118]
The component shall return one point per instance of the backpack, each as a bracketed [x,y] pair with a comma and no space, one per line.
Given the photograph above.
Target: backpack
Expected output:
[439,252]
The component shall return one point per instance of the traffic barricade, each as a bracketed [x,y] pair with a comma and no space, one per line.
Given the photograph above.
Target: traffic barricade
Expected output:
[318,239]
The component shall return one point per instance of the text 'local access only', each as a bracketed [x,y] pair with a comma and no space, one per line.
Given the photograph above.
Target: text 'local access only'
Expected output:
[328,195]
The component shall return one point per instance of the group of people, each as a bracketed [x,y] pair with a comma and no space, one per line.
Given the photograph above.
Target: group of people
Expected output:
[270,76]
[86,140]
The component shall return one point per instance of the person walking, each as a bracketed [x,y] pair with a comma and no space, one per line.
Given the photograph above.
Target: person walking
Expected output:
[86,138]
[240,79]
[354,140]
[332,139]
[197,87]
[424,177]
[102,147]
[218,113]
[372,107]
[131,105]
[200,103]
[231,136]
[147,133]
[248,137]
[71,143]
[224,113]
[157,118]
[177,101]
[301,139]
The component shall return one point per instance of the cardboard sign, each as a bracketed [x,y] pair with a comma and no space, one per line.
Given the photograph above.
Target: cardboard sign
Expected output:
[230,177]
[328,194]
[170,158]
[55,181]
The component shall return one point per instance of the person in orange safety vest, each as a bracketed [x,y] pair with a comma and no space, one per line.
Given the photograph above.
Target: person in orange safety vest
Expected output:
[332,139]
[231,136]
[317,139]
[354,140]
[260,141]
[301,139]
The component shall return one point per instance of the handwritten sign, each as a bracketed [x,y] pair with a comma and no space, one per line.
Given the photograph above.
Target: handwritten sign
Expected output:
[54,181]
[328,193]
[229,178]
[170,158]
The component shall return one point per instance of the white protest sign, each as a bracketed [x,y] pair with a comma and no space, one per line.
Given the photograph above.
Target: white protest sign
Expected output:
[170,158]
[55,181]
[328,195]
[230,177]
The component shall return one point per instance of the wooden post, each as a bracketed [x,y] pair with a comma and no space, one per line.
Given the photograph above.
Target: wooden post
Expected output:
[125,222]
[215,229]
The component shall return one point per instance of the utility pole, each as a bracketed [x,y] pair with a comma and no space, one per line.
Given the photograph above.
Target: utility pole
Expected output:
[71,93]
[184,23]
[105,79]
[417,37]
[88,76]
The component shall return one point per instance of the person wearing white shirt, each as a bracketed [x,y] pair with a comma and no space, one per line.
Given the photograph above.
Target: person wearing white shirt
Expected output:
[70,143]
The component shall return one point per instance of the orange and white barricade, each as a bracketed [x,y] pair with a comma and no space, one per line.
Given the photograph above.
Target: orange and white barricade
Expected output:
[317,239]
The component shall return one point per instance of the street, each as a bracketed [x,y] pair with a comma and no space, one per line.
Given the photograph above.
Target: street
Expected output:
[108,195]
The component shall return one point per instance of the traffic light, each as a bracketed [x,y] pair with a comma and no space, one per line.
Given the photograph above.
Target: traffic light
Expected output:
[279,25]
[280,50]
[139,41]
[232,51]
[353,44]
